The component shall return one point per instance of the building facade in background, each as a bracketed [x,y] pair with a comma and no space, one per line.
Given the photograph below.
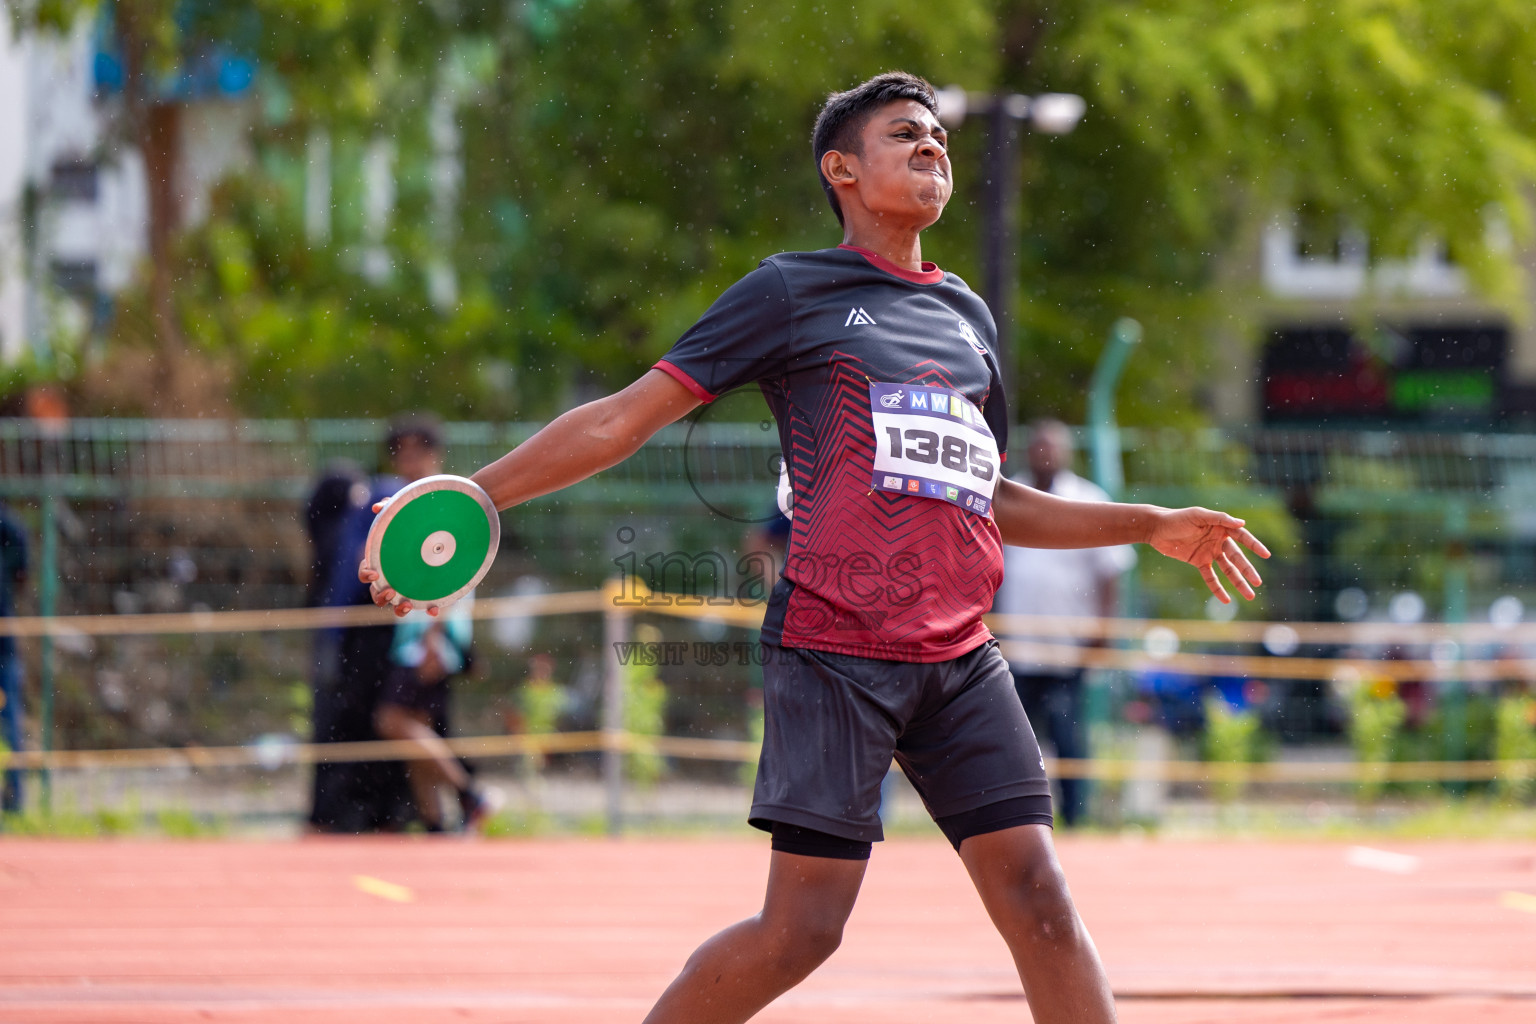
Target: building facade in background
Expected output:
[1349,340]
[74,207]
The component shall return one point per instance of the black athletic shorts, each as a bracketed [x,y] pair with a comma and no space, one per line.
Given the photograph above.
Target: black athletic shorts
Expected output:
[403,688]
[833,722]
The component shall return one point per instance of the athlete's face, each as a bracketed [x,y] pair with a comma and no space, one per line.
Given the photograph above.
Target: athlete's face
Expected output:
[903,170]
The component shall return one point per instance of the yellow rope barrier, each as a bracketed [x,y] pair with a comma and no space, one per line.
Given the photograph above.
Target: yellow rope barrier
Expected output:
[570,603]
[692,748]
[749,615]
[277,755]
[1256,666]
[1237,631]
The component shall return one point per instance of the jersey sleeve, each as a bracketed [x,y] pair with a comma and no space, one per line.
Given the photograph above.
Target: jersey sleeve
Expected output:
[742,338]
[995,409]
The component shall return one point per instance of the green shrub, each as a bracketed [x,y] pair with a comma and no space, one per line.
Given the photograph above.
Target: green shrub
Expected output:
[645,704]
[1232,736]
[1375,722]
[1514,740]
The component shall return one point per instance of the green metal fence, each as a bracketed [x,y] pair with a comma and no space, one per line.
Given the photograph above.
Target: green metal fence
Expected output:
[175,516]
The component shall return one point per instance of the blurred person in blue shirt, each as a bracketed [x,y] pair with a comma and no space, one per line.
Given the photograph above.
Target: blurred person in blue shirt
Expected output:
[13,576]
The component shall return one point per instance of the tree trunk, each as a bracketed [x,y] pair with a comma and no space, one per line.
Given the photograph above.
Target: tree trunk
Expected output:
[182,385]
[158,142]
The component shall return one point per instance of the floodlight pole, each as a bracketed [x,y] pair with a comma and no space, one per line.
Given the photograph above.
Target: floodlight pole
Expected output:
[1000,226]
[1052,113]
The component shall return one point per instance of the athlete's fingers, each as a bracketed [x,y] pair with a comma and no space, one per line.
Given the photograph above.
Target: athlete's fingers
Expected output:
[380,593]
[1240,559]
[366,574]
[378,507]
[1252,543]
[1240,584]
[1211,581]
[433,610]
[1223,520]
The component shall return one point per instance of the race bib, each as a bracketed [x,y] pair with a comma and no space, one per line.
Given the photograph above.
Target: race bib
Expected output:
[933,443]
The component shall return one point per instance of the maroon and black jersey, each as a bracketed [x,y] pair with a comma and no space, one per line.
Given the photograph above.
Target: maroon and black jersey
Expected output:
[868,572]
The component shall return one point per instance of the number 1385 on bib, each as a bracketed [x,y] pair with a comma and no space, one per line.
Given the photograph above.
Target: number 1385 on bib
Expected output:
[932,442]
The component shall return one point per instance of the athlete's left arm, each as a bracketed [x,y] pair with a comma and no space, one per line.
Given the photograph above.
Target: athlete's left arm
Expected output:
[1204,538]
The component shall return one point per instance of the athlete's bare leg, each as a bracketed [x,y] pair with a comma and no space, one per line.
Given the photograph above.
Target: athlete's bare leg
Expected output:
[744,968]
[1022,886]
[394,722]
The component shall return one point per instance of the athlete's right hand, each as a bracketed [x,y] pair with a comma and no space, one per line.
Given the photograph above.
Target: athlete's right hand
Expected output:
[383,595]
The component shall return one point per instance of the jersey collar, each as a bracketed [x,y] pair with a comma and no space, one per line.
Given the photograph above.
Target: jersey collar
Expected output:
[930,274]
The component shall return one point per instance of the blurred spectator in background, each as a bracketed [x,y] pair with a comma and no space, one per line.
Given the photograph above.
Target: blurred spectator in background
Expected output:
[426,655]
[540,702]
[1068,582]
[337,497]
[13,576]
[366,796]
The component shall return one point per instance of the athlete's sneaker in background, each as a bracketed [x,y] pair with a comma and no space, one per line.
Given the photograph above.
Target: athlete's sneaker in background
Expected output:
[478,804]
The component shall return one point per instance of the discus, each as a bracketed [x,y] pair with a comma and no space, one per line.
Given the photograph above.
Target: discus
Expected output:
[434,540]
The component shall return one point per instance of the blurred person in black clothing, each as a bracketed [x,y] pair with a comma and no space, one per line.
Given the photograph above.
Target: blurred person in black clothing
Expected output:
[353,664]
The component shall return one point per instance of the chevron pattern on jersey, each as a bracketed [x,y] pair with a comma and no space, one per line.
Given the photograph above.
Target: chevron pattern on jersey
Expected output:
[879,575]
[872,574]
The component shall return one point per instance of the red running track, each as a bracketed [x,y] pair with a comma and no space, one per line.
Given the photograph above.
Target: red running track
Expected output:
[577,932]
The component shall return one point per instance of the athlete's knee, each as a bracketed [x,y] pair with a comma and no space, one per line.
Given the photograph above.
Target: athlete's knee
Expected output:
[1030,899]
[803,940]
[1043,903]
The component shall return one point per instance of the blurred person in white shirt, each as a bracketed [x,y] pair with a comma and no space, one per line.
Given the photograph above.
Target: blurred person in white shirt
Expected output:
[1060,582]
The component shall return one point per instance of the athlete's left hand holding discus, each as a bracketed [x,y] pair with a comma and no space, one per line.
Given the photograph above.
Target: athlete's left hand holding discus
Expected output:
[381,593]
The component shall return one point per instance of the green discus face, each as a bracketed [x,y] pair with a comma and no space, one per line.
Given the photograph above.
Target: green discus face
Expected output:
[436,543]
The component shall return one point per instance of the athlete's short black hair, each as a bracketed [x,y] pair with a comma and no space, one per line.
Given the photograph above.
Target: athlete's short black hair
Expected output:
[840,125]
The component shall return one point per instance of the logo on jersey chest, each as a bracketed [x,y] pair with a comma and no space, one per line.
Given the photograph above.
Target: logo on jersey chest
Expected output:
[858,317]
[971,338]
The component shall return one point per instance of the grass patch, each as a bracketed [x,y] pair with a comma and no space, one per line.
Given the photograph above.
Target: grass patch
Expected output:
[112,823]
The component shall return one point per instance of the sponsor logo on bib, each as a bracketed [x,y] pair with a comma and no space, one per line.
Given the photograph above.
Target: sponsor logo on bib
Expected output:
[933,442]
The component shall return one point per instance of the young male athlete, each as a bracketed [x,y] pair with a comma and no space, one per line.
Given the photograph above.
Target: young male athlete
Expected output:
[881,371]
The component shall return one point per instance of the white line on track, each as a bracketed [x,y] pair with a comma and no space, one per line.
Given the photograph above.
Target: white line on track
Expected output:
[1381,860]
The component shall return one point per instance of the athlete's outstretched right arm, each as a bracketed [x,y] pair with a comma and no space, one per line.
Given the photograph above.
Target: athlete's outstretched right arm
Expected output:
[587,440]
[584,441]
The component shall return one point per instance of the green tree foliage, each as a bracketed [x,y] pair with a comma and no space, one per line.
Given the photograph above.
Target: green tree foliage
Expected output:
[1406,118]
[624,162]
